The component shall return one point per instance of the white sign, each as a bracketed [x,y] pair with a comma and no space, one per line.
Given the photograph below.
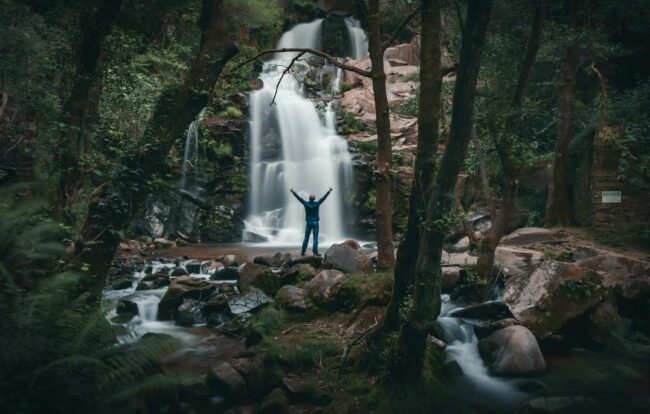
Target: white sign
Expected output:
[611,197]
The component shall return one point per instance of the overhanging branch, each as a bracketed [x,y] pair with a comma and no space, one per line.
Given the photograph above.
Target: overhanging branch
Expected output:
[401,26]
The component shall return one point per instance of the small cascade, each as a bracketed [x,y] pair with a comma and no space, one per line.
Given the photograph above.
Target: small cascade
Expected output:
[462,347]
[190,169]
[358,38]
[292,146]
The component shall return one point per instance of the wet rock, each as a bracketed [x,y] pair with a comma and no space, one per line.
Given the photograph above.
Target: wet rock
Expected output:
[299,273]
[342,257]
[227,273]
[324,287]
[264,260]
[122,319]
[558,405]
[229,260]
[527,236]
[315,261]
[492,310]
[249,302]
[218,303]
[121,283]
[225,379]
[178,271]
[125,306]
[155,281]
[305,389]
[161,243]
[458,259]
[484,328]
[275,403]
[189,313]
[438,343]
[552,295]
[254,275]
[196,267]
[451,275]
[291,298]
[461,246]
[512,351]
[276,260]
[182,287]
[516,261]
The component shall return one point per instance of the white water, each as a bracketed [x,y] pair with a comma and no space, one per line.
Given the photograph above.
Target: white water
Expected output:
[190,167]
[358,38]
[312,156]
[462,347]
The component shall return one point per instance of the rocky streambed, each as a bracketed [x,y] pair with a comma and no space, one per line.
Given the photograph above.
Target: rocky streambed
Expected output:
[560,329]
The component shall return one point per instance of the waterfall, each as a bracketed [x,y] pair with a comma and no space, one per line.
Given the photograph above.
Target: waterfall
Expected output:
[292,146]
[190,167]
[358,38]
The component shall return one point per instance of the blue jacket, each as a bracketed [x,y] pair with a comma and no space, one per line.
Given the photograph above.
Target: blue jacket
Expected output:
[311,207]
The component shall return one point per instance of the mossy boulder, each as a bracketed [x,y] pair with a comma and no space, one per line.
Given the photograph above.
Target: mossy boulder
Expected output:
[183,287]
[255,275]
[360,289]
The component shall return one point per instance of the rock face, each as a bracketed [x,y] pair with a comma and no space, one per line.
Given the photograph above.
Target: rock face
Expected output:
[516,261]
[323,288]
[553,294]
[512,351]
[251,274]
[224,379]
[182,287]
[342,257]
[291,298]
[528,235]
[627,276]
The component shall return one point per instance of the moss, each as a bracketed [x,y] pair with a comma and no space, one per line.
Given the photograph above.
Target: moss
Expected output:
[266,322]
[232,112]
[352,124]
[300,350]
[360,289]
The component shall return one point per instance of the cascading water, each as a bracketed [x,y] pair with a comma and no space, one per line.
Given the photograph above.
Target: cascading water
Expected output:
[291,146]
[190,167]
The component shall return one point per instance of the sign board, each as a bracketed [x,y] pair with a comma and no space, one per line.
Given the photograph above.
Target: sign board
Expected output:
[609,197]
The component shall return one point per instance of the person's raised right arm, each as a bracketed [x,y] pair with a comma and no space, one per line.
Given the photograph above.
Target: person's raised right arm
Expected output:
[297,196]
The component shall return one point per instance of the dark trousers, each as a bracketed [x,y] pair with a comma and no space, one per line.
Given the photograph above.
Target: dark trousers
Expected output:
[309,227]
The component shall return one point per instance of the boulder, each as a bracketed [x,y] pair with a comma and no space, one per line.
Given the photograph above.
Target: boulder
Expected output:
[484,328]
[342,257]
[178,271]
[512,350]
[291,298]
[458,259]
[249,302]
[275,403]
[162,243]
[516,260]
[604,324]
[305,389]
[251,274]
[323,288]
[189,313]
[451,276]
[461,246]
[527,236]
[315,261]
[300,272]
[552,295]
[492,310]
[224,379]
[264,260]
[196,267]
[182,287]
[121,283]
[218,303]
[154,281]
[126,307]
[628,277]
[227,273]
[229,260]
[407,52]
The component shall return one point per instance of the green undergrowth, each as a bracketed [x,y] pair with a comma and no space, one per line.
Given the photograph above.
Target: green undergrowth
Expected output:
[362,289]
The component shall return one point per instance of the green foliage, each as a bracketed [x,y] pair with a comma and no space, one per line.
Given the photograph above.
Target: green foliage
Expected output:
[361,289]
[300,351]
[408,107]
[265,322]
[232,112]
[352,124]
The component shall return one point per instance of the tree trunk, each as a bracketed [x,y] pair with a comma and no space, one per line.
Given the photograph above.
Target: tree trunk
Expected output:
[424,170]
[80,106]
[505,149]
[383,176]
[412,340]
[114,203]
[557,204]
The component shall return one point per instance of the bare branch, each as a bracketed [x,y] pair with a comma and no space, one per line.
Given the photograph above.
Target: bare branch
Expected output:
[284,72]
[324,55]
[401,26]
[603,94]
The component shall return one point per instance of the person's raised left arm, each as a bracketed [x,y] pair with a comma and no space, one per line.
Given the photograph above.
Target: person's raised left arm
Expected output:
[325,196]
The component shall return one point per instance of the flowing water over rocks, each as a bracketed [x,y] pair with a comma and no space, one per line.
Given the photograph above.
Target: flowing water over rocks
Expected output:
[293,146]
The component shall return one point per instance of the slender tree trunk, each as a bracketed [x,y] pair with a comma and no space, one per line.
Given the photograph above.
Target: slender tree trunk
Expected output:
[114,203]
[384,175]
[557,204]
[412,340]
[424,169]
[505,149]
[80,106]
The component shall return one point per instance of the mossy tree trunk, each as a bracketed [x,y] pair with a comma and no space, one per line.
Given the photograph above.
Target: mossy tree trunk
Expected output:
[412,341]
[114,203]
[80,109]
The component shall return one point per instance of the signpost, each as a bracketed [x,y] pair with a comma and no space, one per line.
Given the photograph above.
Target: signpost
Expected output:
[611,197]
